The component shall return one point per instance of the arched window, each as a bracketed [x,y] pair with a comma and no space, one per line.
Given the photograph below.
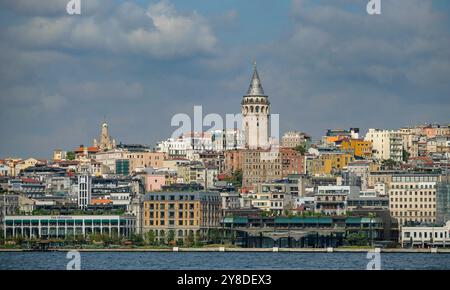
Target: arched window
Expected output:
[257,109]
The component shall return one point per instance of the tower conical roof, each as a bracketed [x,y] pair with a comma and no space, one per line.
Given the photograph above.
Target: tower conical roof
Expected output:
[255,88]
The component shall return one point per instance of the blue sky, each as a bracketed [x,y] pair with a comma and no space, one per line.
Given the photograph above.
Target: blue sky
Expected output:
[324,64]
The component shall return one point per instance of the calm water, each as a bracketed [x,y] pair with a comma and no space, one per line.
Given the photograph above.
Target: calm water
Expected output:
[220,261]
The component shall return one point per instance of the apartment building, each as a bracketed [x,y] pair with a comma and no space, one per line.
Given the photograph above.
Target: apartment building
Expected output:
[386,144]
[412,198]
[179,215]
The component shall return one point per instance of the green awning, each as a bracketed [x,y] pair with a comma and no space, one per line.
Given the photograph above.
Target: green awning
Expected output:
[325,220]
[235,220]
[353,220]
[282,220]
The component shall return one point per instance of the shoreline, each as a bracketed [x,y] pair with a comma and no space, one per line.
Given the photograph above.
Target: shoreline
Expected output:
[251,250]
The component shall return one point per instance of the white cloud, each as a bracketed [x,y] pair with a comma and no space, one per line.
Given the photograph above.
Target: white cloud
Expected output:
[160,31]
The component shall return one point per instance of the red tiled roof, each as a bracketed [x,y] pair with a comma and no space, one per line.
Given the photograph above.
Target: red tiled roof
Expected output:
[29,180]
[91,149]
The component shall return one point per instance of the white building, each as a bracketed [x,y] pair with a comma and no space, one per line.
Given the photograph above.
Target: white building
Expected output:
[84,190]
[386,144]
[425,236]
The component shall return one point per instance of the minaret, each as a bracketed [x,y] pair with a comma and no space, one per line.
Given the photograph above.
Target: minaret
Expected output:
[255,112]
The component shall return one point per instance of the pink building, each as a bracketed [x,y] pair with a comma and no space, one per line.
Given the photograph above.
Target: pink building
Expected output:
[154,182]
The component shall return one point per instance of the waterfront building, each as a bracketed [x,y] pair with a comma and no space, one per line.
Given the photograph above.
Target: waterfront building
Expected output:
[255,112]
[299,232]
[386,144]
[413,197]
[45,226]
[442,202]
[179,215]
[424,236]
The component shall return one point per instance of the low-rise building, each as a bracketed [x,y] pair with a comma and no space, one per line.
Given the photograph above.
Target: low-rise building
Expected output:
[332,200]
[424,236]
[43,226]
[177,215]
[413,197]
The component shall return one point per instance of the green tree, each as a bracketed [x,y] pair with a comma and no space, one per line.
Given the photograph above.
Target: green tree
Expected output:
[137,239]
[171,236]
[150,237]
[405,155]
[235,178]
[70,155]
[389,164]
[301,148]
[190,241]
[357,239]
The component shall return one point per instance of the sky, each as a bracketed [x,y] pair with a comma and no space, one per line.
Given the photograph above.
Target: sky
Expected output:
[324,64]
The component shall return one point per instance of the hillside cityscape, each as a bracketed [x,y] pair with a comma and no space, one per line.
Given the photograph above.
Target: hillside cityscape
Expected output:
[235,187]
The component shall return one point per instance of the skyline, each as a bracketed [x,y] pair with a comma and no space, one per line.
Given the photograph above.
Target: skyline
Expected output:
[332,62]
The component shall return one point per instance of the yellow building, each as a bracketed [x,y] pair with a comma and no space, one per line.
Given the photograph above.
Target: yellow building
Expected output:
[176,216]
[329,163]
[361,148]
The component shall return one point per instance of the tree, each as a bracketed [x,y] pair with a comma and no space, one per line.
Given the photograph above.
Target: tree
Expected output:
[405,155]
[171,236]
[137,239]
[300,149]
[235,178]
[70,155]
[389,164]
[190,241]
[151,237]
[357,239]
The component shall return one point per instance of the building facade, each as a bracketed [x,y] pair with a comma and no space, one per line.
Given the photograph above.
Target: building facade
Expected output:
[386,144]
[412,198]
[38,226]
[179,215]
